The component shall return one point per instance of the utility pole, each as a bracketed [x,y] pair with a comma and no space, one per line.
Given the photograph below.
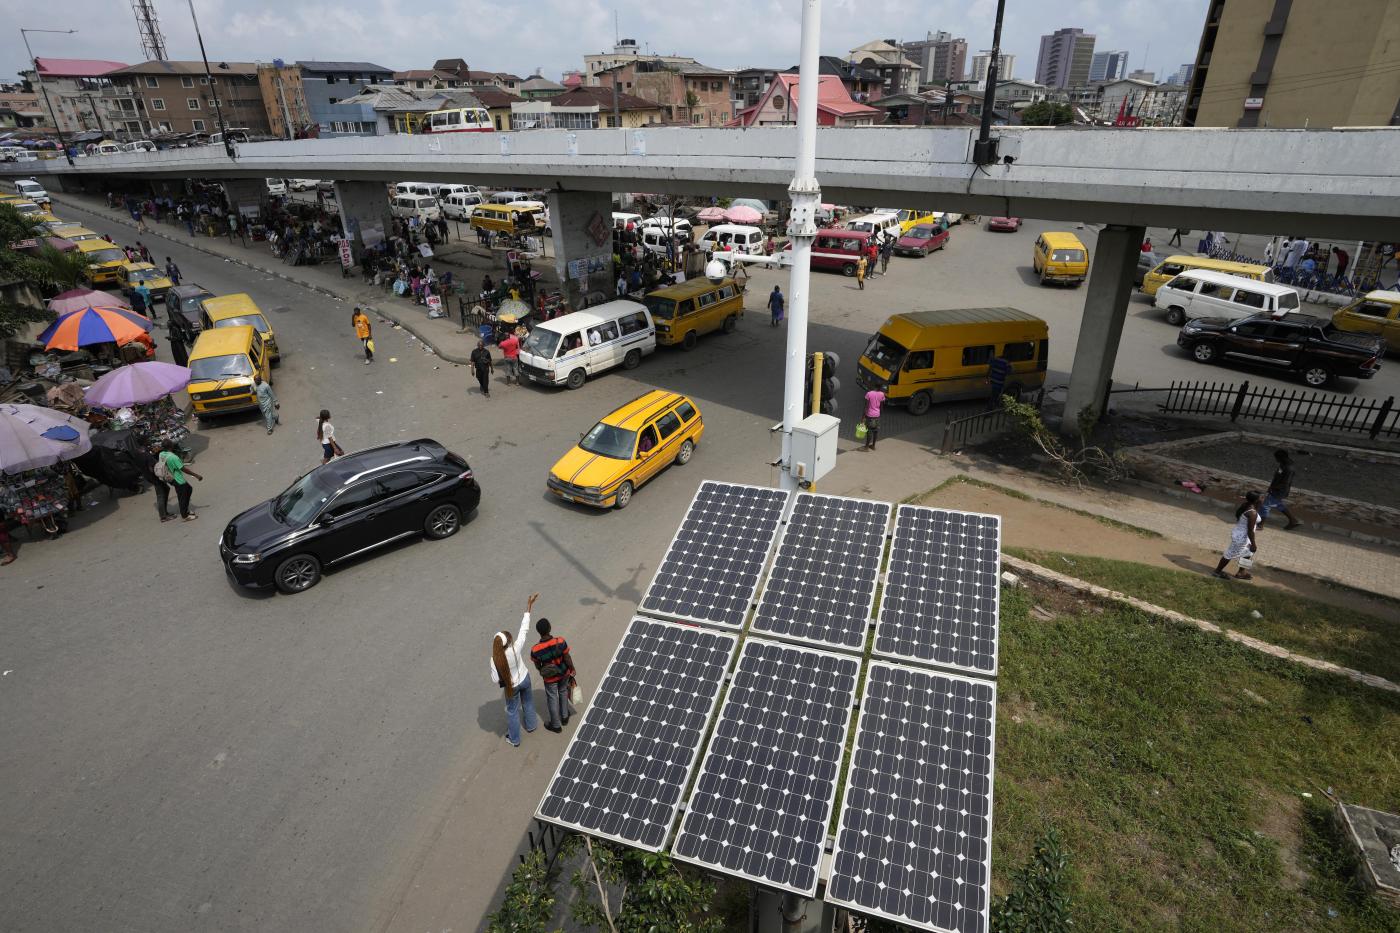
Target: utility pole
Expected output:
[96,114]
[213,89]
[39,80]
[984,151]
[286,114]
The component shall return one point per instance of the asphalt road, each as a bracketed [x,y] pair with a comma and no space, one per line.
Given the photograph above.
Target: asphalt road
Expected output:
[182,755]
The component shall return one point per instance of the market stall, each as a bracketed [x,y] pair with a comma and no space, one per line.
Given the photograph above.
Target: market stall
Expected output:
[139,395]
[37,481]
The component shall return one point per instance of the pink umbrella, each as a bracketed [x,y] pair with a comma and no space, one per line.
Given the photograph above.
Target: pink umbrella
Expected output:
[79,298]
[710,215]
[742,215]
[137,384]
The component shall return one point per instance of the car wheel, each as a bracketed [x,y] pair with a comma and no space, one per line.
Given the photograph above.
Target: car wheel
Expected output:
[1317,376]
[442,522]
[576,379]
[688,342]
[624,495]
[632,360]
[1176,316]
[298,573]
[730,323]
[684,455]
[1203,352]
[919,403]
[848,270]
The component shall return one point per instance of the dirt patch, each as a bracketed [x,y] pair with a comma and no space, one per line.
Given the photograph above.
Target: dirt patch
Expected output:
[1030,523]
[1281,819]
[1343,477]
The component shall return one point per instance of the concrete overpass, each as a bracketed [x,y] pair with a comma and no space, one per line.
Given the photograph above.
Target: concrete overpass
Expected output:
[1340,183]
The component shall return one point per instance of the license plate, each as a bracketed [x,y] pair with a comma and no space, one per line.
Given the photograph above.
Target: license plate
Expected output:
[580,500]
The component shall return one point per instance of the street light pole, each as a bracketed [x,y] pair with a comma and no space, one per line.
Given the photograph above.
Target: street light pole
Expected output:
[213,89]
[39,80]
[805,195]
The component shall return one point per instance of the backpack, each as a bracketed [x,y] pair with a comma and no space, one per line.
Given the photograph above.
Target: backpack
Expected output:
[162,470]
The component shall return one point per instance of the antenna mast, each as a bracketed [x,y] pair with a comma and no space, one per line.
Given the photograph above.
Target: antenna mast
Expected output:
[148,23]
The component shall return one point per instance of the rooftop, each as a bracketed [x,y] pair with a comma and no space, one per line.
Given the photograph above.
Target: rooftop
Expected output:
[584,96]
[540,83]
[186,68]
[495,97]
[345,67]
[76,67]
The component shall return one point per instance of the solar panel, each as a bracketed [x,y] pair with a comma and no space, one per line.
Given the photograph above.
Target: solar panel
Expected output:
[711,570]
[822,585]
[762,802]
[941,590]
[623,774]
[914,840]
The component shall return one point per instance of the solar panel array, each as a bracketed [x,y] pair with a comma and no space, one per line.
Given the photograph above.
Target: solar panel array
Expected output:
[914,840]
[623,774]
[941,596]
[762,803]
[711,570]
[822,586]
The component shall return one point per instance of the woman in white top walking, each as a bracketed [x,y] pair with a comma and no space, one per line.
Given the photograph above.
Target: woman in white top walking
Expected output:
[1242,543]
[325,433]
[510,672]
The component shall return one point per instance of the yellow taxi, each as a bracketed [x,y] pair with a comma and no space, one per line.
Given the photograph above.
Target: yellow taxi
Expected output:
[104,259]
[1373,313]
[627,448]
[236,311]
[72,232]
[132,274]
[33,211]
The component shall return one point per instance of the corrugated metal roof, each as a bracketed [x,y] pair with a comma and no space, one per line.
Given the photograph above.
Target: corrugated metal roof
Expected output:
[345,67]
[966,316]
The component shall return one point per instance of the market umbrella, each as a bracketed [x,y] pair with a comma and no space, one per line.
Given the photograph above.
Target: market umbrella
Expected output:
[137,384]
[32,436]
[754,203]
[79,298]
[710,215]
[742,214]
[94,325]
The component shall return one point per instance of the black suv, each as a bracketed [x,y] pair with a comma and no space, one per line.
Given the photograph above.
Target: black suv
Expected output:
[1306,346]
[184,307]
[346,508]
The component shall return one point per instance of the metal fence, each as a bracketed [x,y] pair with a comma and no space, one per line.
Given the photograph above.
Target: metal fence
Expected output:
[959,432]
[1283,406]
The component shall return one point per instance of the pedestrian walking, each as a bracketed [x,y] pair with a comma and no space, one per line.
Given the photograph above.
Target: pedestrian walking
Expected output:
[1242,544]
[325,435]
[1177,234]
[1296,251]
[874,401]
[556,667]
[1280,487]
[621,284]
[171,469]
[178,349]
[138,300]
[148,304]
[172,271]
[860,272]
[997,372]
[482,367]
[872,256]
[362,330]
[886,251]
[508,671]
[1343,260]
[140,218]
[510,355]
[267,402]
[146,463]
[775,305]
[1147,245]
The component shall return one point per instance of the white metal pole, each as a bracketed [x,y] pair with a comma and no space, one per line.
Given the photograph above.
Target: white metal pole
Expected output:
[805,195]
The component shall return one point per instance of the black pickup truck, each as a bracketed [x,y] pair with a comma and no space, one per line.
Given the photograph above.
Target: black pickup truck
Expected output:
[1300,344]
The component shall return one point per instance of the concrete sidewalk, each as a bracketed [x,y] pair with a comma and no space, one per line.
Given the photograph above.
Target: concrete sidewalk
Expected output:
[466,259]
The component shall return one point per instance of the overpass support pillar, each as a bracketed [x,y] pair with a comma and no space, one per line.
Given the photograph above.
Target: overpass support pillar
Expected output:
[364,213]
[582,225]
[244,192]
[1101,327]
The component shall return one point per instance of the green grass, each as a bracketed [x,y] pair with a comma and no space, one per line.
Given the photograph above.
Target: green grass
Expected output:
[1017,494]
[1174,764]
[1341,635]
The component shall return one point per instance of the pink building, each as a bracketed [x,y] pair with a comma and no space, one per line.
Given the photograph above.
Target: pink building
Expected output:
[834,105]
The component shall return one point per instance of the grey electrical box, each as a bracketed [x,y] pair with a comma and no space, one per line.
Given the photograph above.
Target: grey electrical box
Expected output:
[814,447]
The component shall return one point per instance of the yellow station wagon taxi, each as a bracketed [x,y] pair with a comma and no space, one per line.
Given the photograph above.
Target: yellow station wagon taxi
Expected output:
[131,274]
[627,448]
[104,259]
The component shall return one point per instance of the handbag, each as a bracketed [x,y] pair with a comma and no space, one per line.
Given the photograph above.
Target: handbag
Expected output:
[1246,561]
[575,692]
[336,448]
[369,342]
[861,430]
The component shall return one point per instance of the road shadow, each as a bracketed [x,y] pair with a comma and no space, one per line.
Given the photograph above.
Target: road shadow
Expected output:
[1189,563]
[628,591]
[491,715]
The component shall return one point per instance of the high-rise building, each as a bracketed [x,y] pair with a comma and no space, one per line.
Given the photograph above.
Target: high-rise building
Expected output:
[983,59]
[1142,74]
[1065,57]
[1267,63]
[1108,66]
[1182,75]
[941,57]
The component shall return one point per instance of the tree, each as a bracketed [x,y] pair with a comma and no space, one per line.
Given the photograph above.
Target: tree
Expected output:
[17,267]
[1039,900]
[528,904]
[1045,113]
[626,890]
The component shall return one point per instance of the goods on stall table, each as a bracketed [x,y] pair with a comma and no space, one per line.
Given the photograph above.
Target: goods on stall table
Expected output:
[34,495]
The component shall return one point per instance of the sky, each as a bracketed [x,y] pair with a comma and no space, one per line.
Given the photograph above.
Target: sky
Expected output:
[554,35]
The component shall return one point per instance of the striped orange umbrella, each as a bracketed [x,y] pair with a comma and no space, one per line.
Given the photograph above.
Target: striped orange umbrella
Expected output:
[87,326]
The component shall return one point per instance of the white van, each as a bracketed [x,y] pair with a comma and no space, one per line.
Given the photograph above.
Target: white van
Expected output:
[459,206]
[621,219]
[572,347]
[11,153]
[679,224]
[276,186]
[444,190]
[513,197]
[31,189]
[301,184]
[1200,293]
[741,237]
[416,187]
[139,145]
[880,225]
[422,206]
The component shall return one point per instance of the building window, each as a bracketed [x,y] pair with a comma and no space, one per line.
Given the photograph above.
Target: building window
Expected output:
[192,103]
[330,79]
[203,79]
[198,125]
[157,103]
[151,81]
[164,127]
[614,121]
[186,81]
[332,100]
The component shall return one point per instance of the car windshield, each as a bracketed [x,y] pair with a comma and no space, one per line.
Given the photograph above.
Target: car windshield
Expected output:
[920,233]
[219,367]
[303,499]
[105,255]
[144,275]
[885,353]
[244,320]
[662,309]
[1067,255]
[608,440]
[1288,301]
[541,342]
[194,302]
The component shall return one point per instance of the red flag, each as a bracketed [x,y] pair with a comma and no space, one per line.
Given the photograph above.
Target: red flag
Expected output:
[1122,105]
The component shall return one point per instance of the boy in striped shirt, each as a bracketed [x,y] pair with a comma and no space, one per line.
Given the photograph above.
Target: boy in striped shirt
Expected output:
[556,667]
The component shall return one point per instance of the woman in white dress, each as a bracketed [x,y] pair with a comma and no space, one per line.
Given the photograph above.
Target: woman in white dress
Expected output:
[1242,543]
